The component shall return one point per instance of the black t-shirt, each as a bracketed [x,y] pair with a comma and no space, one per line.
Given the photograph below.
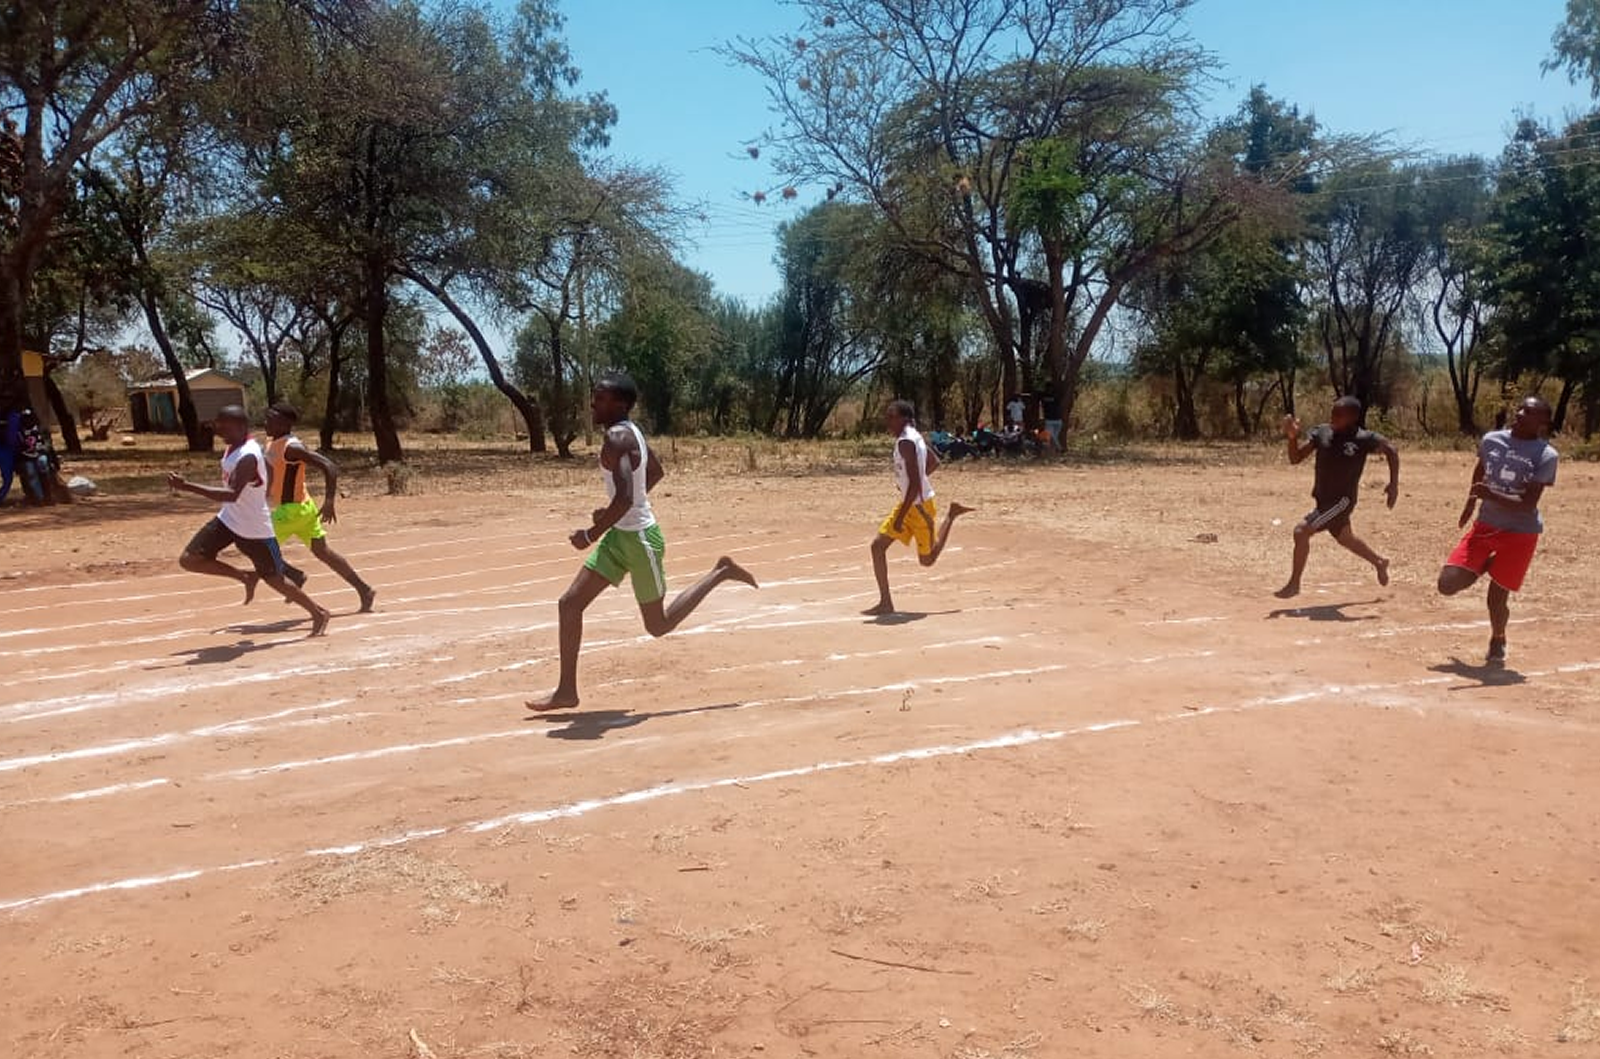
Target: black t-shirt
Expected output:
[1341,460]
[1050,409]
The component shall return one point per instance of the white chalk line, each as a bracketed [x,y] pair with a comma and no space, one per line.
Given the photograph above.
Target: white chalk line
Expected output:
[288,718]
[75,704]
[571,810]
[362,622]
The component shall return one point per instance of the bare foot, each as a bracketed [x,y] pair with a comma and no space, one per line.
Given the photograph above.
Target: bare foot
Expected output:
[1288,591]
[881,610]
[368,595]
[1383,572]
[736,572]
[319,622]
[559,699]
[250,583]
[957,510]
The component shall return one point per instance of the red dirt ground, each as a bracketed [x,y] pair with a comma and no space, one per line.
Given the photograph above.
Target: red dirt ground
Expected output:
[1101,796]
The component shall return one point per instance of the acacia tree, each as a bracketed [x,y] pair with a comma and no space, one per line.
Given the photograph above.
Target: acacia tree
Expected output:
[1367,254]
[1542,269]
[77,75]
[1454,297]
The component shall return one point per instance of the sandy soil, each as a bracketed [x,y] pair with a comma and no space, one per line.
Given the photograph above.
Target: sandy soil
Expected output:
[1098,794]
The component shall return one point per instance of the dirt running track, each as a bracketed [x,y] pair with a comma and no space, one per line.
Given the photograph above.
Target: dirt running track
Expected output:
[1099,796]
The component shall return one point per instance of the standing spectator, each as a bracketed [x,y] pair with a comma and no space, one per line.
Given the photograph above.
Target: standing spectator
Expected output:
[1051,410]
[1016,408]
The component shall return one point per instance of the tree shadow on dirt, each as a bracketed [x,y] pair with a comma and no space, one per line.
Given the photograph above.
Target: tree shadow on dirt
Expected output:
[594,724]
[1326,612]
[1480,676]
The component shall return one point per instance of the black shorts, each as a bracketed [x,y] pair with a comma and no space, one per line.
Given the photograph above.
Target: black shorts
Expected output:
[215,536]
[1332,516]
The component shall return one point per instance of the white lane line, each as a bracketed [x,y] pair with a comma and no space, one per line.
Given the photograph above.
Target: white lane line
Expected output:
[96,792]
[1025,737]
[145,579]
[250,726]
[1022,738]
[736,622]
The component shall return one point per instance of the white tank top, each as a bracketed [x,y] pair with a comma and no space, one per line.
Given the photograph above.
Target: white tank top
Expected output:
[639,515]
[902,476]
[247,516]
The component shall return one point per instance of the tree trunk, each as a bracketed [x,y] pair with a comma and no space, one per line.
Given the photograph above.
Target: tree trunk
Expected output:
[64,417]
[560,414]
[1185,420]
[376,314]
[1241,412]
[13,385]
[1559,422]
[199,441]
[330,408]
[532,415]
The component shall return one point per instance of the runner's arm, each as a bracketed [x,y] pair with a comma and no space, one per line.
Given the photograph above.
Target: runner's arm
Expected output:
[1472,495]
[1528,501]
[933,460]
[654,473]
[1291,432]
[298,453]
[612,454]
[1391,454]
[244,474]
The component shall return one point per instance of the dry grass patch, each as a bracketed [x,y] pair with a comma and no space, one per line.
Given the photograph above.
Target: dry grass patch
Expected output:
[1580,1023]
[386,871]
[1363,980]
[1454,987]
[1402,920]
[988,888]
[845,917]
[1153,1004]
[643,1018]
[1403,1042]
[1507,1039]
[1021,1048]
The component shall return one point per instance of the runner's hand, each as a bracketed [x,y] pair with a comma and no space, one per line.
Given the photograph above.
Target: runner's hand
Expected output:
[1291,428]
[330,513]
[1394,494]
[579,539]
[1481,491]
[175,481]
[1466,512]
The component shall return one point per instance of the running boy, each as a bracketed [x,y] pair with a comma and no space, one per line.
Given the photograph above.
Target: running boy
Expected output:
[244,520]
[1514,469]
[294,513]
[914,518]
[629,542]
[1342,448]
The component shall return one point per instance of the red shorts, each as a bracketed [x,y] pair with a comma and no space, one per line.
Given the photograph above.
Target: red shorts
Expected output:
[1504,555]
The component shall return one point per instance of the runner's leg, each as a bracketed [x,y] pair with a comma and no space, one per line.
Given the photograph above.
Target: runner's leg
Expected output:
[1302,552]
[341,566]
[584,590]
[956,511]
[659,620]
[1347,537]
[880,570]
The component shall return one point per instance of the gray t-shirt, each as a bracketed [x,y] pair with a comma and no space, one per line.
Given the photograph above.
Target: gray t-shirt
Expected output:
[1510,465]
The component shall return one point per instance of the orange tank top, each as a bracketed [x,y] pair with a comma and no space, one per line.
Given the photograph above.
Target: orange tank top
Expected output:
[288,481]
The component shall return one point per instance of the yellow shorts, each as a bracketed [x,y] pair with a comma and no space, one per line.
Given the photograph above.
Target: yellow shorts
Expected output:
[918,526]
[301,520]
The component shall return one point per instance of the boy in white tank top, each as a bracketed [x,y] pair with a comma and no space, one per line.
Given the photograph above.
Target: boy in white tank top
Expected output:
[244,520]
[914,519]
[626,539]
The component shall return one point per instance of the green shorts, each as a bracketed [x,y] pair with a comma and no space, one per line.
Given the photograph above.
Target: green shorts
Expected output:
[301,520]
[636,554]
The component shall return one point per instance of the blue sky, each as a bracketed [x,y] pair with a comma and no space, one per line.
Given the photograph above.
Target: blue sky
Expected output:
[1442,75]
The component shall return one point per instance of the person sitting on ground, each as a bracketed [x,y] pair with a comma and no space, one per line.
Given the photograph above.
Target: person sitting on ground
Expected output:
[34,460]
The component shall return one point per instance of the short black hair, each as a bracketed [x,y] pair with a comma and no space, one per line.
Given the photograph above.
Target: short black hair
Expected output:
[1541,404]
[1352,403]
[234,412]
[286,410]
[904,409]
[621,384]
